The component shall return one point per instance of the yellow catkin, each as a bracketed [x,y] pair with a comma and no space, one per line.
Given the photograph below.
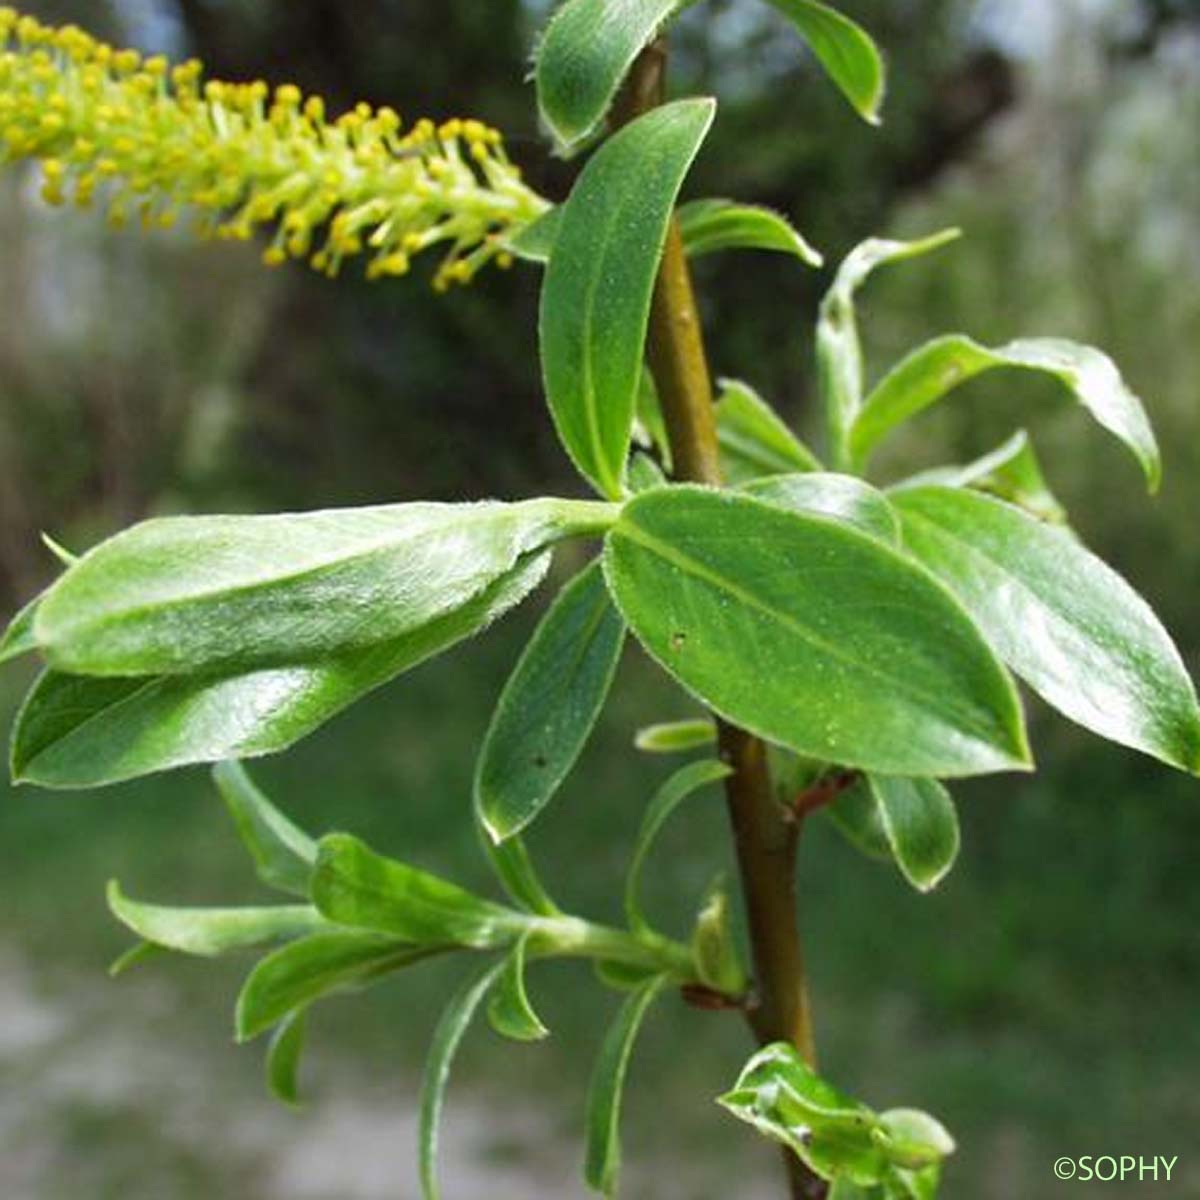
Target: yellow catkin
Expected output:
[154,141]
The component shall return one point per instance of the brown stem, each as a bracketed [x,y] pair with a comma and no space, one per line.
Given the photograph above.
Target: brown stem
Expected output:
[765,833]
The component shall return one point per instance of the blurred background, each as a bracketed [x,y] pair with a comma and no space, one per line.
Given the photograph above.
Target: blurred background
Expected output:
[1043,1002]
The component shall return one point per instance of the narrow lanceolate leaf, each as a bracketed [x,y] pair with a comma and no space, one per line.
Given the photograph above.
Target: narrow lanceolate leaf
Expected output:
[839,350]
[1069,625]
[283,1057]
[584,54]
[515,870]
[812,635]
[1011,471]
[920,823]
[212,931]
[283,853]
[603,1162]
[303,971]
[676,737]
[846,51]
[77,731]
[678,787]
[446,1039]
[18,637]
[845,497]
[549,705]
[352,885]
[937,368]
[219,594]
[509,1010]
[711,225]
[754,441]
[596,294]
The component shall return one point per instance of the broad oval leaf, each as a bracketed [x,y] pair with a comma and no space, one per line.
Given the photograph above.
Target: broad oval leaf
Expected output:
[283,853]
[305,970]
[509,1011]
[446,1039]
[846,51]
[283,1057]
[754,441]
[595,304]
[212,931]
[1065,622]
[76,731]
[682,784]
[937,368]
[812,635]
[222,594]
[920,823]
[549,705]
[676,737]
[585,53]
[842,496]
[602,1164]
[352,885]
[711,225]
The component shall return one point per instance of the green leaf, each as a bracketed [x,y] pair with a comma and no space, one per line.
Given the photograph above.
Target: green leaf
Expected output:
[711,225]
[18,638]
[678,787]
[842,496]
[937,368]
[644,474]
[603,1162]
[913,1139]
[676,737]
[839,350]
[650,427]
[621,977]
[920,823]
[212,931]
[714,948]
[754,442]
[509,1010]
[596,294]
[283,853]
[352,885]
[584,55]
[74,731]
[1011,472]
[1065,622]
[549,705]
[219,594]
[515,870]
[533,242]
[812,635]
[296,975]
[856,816]
[844,49]
[446,1039]
[137,954]
[283,1057]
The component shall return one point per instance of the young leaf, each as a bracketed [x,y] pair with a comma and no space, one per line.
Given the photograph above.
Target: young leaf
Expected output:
[676,737]
[844,49]
[621,977]
[920,823]
[549,705]
[303,971]
[223,594]
[138,953]
[913,1138]
[839,351]
[603,1162]
[812,635]
[514,869]
[711,225]
[855,814]
[283,853]
[509,1010]
[1011,472]
[754,442]
[937,368]
[842,496]
[446,1039]
[644,474]
[74,731]
[683,783]
[596,294]
[650,421]
[283,1057]
[584,55]
[352,885]
[18,637]
[212,931]
[713,946]
[1069,625]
